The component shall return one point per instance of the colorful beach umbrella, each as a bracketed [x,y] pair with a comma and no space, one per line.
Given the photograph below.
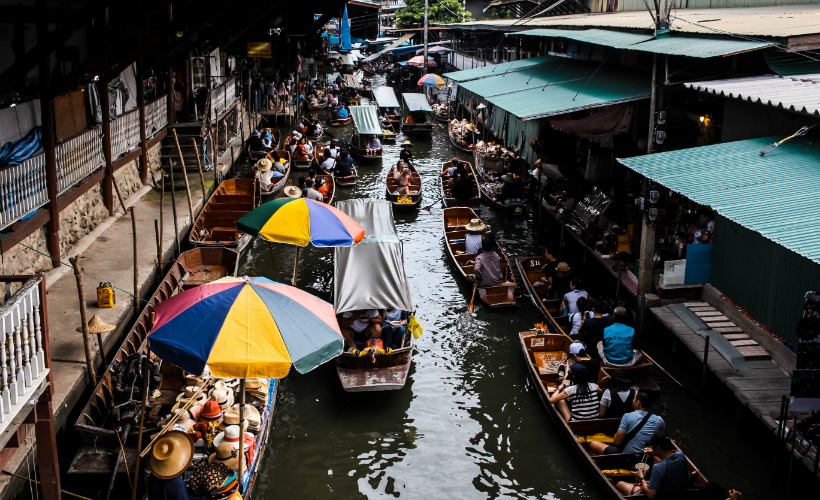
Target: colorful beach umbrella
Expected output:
[431,80]
[419,61]
[245,327]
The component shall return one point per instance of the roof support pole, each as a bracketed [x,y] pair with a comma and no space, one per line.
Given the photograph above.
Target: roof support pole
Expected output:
[143,134]
[105,103]
[647,249]
[425,36]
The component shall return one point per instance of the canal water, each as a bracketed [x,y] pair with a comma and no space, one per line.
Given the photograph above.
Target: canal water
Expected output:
[468,424]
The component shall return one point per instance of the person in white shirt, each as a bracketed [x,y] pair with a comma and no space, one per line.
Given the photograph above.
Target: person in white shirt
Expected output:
[334,150]
[328,163]
[265,173]
[360,326]
[374,145]
[312,194]
[576,290]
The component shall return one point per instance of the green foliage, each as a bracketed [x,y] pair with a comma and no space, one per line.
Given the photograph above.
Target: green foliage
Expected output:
[501,12]
[439,12]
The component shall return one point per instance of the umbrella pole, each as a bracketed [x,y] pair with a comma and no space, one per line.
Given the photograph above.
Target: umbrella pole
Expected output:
[273,261]
[296,265]
[241,430]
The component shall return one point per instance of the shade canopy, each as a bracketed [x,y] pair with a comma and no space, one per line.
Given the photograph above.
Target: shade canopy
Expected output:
[366,119]
[416,102]
[433,50]
[245,327]
[432,80]
[419,61]
[371,275]
[393,45]
[386,97]
[351,81]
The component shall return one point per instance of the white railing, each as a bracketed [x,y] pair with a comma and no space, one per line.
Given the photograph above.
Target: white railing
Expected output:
[222,98]
[79,157]
[22,361]
[156,115]
[125,133]
[463,62]
[22,189]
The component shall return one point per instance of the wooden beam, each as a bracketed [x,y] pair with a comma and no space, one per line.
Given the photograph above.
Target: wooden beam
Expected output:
[141,105]
[81,189]
[26,228]
[47,119]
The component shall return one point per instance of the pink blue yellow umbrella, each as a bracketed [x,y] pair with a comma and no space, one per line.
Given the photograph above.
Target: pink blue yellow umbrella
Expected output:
[431,80]
[419,61]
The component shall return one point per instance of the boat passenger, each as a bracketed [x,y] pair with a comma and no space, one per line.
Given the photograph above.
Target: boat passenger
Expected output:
[635,430]
[265,173]
[488,265]
[267,140]
[560,284]
[168,459]
[333,148]
[311,193]
[451,170]
[468,137]
[343,112]
[617,348]
[406,154]
[462,186]
[578,355]
[512,188]
[360,326]
[344,165]
[320,185]
[592,330]
[301,151]
[576,291]
[549,270]
[307,144]
[616,400]
[577,319]
[255,142]
[292,145]
[403,176]
[328,163]
[669,474]
[374,145]
[336,113]
[393,328]
[473,238]
[582,395]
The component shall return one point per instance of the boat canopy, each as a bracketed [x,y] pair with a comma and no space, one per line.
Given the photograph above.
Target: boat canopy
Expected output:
[371,274]
[416,102]
[366,119]
[389,47]
[386,97]
[351,81]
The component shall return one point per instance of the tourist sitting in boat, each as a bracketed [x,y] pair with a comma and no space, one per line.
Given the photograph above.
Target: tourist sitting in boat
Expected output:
[328,163]
[403,176]
[332,101]
[576,290]
[301,150]
[580,400]
[669,474]
[267,140]
[560,284]
[308,146]
[320,185]
[336,113]
[265,173]
[344,165]
[291,147]
[255,142]
[578,355]
[462,187]
[313,100]
[577,319]
[393,328]
[592,329]
[333,148]
[343,112]
[406,154]
[311,193]
[635,430]
[549,270]
[511,189]
[358,327]
[617,348]
[373,145]
[488,265]
[473,238]
[617,399]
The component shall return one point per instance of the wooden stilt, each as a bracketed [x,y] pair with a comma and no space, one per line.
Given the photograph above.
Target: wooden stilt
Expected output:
[89,363]
[159,249]
[184,177]
[201,175]
[136,266]
[142,425]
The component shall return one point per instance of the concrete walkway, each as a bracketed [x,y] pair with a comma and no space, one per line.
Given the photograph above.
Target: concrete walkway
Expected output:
[107,255]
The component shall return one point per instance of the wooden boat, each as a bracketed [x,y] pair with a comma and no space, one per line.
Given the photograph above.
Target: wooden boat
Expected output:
[416,128]
[530,270]
[318,152]
[393,187]
[449,201]
[205,265]
[389,372]
[537,348]
[353,101]
[317,107]
[454,222]
[340,122]
[349,180]
[301,164]
[281,181]
[395,120]
[216,224]
[457,142]
[362,154]
[389,133]
[331,187]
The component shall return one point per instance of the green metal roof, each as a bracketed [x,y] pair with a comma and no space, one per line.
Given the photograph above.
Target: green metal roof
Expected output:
[493,69]
[774,195]
[672,44]
[791,63]
[366,119]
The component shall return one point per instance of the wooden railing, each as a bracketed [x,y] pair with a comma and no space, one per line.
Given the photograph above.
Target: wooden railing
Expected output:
[222,98]
[156,115]
[78,157]
[22,189]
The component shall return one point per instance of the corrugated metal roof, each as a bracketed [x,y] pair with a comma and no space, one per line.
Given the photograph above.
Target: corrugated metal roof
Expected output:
[386,97]
[509,67]
[770,21]
[791,63]
[800,93]
[553,71]
[617,39]
[366,119]
[416,102]
[774,195]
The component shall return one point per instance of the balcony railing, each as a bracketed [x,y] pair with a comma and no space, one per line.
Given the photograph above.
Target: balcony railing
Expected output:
[22,189]
[125,133]
[222,98]
[156,115]
[77,158]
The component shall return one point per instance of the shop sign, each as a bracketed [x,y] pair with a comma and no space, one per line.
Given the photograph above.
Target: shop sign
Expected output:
[259,49]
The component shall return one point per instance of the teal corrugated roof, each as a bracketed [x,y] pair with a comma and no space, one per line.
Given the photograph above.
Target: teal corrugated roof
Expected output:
[416,102]
[673,44]
[509,67]
[774,195]
[366,119]
[386,97]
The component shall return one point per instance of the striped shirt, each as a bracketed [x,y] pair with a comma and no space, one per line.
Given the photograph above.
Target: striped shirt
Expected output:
[583,406]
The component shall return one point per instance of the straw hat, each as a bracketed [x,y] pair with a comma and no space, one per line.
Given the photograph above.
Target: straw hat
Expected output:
[256,383]
[251,415]
[217,384]
[184,419]
[230,383]
[475,225]
[195,380]
[263,165]
[230,435]
[562,267]
[96,325]
[509,178]
[407,143]
[188,394]
[171,455]
[228,455]
[211,412]
[470,127]
[292,192]
[222,397]
[231,417]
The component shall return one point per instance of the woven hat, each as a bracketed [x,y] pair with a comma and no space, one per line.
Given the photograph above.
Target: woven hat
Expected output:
[256,383]
[96,325]
[251,415]
[230,435]
[217,384]
[228,455]
[407,143]
[292,192]
[171,454]
[211,412]
[562,267]
[231,417]
[195,380]
[222,397]
[263,165]
[188,394]
[193,409]
[475,225]
[230,383]
[184,419]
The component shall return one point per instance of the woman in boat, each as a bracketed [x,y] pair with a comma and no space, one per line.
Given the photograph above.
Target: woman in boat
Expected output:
[320,185]
[267,140]
[344,165]
[578,355]
[582,314]
[292,145]
[403,175]
[308,146]
[393,328]
[582,396]
[406,154]
[301,151]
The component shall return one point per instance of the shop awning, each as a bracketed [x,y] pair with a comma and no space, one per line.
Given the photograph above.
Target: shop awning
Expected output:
[672,44]
[366,119]
[391,46]
[351,81]
[416,102]
[496,69]
[774,195]
[386,97]
[799,93]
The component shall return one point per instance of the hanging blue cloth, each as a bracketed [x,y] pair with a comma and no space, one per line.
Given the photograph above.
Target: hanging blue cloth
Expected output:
[15,153]
[346,45]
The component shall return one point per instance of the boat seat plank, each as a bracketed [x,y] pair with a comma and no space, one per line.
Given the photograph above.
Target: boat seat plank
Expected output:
[729,329]
[706,314]
[696,304]
[736,336]
[743,342]
[720,324]
[754,352]
[701,309]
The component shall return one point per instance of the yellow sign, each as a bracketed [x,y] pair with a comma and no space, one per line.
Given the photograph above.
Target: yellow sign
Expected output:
[259,49]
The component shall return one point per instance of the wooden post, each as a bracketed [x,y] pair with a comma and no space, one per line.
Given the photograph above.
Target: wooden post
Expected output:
[705,371]
[159,249]
[161,221]
[201,175]
[105,103]
[216,160]
[296,265]
[171,97]
[174,206]
[136,267]
[45,434]
[143,133]
[185,177]
[78,275]
[145,370]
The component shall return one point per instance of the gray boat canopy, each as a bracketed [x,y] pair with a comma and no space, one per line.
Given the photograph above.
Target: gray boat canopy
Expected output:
[416,102]
[371,274]
[386,97]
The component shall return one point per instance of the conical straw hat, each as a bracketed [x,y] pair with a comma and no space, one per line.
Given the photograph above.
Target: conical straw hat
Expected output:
[96,325]
[171,455]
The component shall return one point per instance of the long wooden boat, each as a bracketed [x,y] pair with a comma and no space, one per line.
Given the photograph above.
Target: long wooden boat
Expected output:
[318,152]
[317,107]
[531,272]
[416,128]
[362,154]
[454,222]
[301,164]
[389,133]
[395,120]
[216,224]
[205,265]
[281,181]
[389,372]
[349,180]
[353,101]
[458,143]
[331,187]
[446,190]
[537,348]
[393,187]
[340,122]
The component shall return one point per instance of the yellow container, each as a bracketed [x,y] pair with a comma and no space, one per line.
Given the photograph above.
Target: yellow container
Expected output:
[106,297]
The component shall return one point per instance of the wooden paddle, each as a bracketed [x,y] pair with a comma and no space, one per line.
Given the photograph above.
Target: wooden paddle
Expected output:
[472,299]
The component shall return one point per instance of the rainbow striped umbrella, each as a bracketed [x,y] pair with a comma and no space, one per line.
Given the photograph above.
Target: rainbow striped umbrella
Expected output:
[419,61]
[245,327]
[431,80]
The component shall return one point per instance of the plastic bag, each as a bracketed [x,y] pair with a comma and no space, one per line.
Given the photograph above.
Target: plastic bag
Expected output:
[415,327]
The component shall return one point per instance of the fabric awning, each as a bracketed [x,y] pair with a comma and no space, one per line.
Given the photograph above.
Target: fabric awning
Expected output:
[351,81]
[386,97]
[774,195]
[799,93]
[614,120]
[391,46]
[348,59]
[366,119]
[371,274]
[416,102]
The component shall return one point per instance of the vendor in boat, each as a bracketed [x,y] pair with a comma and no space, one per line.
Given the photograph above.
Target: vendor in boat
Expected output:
[393,328]
[255,142]
[468,135]
[169,458]
[635,430]
[360,326]
[406,154]
[669,474]
[618,349]
[488,265]
[267,173]
[267,140]
[473,238]
[616,401]
[511,189]
[344,165]
[580,400]
[373,145]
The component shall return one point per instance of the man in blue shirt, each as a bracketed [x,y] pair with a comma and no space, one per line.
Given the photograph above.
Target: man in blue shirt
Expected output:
[343,113]
[632,437]
[669,474]
[617,349]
